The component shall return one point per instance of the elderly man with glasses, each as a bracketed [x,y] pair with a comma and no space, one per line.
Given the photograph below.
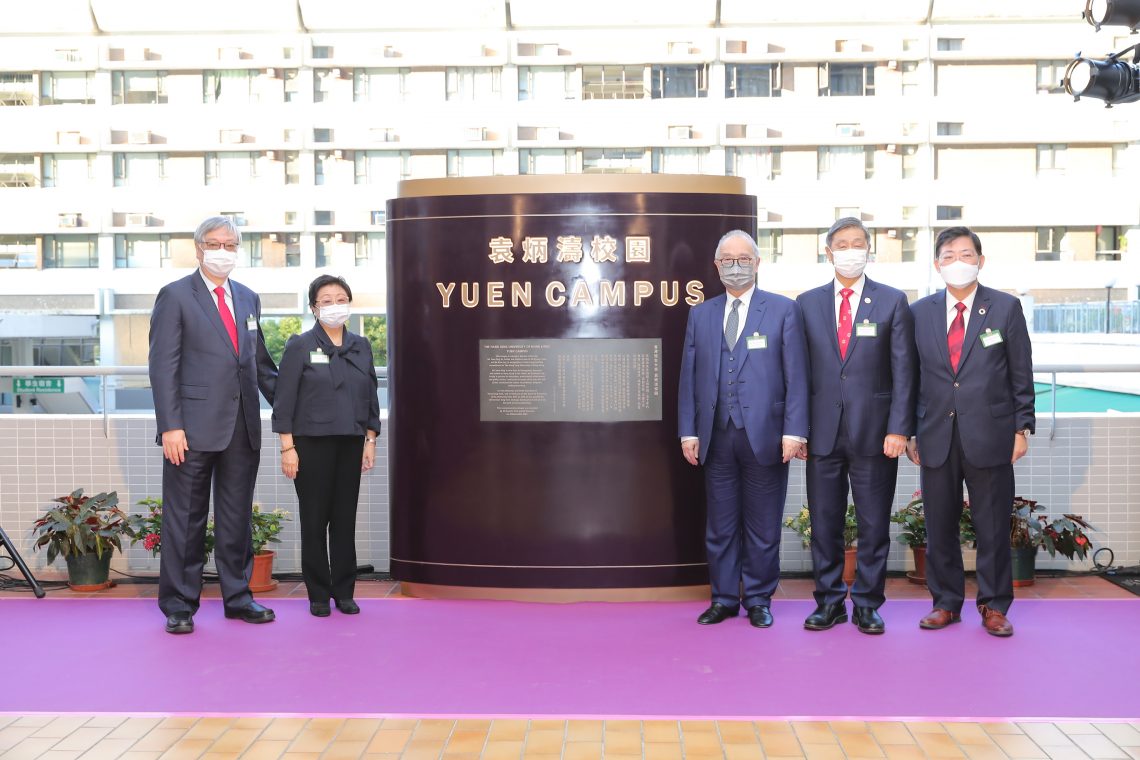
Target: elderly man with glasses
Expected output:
[974,415]
[207,362]
[743,415]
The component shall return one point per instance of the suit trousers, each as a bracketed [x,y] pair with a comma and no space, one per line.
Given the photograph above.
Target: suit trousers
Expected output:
[991,503]
[328,487]
[872,486]
[745,504]
[185,510]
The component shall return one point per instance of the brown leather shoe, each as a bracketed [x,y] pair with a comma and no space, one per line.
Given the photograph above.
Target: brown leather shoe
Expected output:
[995,622]
[937,618]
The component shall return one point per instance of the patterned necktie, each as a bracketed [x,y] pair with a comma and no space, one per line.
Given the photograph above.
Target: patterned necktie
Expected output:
[956,335]
[843,333]
[732,326]
[227,317]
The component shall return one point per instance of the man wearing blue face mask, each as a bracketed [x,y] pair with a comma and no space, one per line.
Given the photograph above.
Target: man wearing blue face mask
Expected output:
[207,362]
[974,415]
[743,415]
[860,337]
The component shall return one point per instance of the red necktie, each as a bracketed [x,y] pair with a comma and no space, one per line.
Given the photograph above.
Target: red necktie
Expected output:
[844,331]
[956,335]
[227,318]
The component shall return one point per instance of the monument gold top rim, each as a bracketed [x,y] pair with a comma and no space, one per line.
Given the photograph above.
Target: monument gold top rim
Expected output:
[696,184]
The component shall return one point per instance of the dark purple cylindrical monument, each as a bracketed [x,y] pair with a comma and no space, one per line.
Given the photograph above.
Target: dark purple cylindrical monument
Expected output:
[535,331]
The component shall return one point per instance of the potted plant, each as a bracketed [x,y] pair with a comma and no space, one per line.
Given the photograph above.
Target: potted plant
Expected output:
[147,528]
[1029,531]
[266,526]
[85,530]
[801,525]
[913,534]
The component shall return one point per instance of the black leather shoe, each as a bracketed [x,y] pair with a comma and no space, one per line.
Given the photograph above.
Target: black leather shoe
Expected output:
[319,609]
[252,613]
[760,616]
[180,622]
[717,613]
[868,620]
[826,616]
[348,607]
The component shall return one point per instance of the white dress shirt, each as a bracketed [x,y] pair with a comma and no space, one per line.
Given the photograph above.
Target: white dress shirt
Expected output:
[856,294]
[952,312]
[214,296]
[741,311]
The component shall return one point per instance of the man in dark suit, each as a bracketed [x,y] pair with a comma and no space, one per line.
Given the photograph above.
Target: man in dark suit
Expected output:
[207,361]
[975,415]
[743,414]
[860,337]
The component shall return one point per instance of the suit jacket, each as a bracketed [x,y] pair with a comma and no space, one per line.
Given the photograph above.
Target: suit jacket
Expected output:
[991,396]
[873,387]
[772,381]
[308,404]
[200,385]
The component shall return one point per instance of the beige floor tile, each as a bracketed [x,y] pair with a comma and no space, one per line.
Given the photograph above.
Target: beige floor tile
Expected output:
[887,732]
[454,757]
[658,731]
[860,745]
[743,752]
[367,756]
[548,724]
[206,728]
[849,727]
[781,745]
[235,740]
[623,725]
[258,723]
[301,756]
[182,721]
[994,729]
[385,741]
[60,727]
[1099,746]
[503,750]
[698,726]
[1073,728]
[81,739]
[39,721]
[904,752]
[616,757]
[583,750]
[316,735]
[108,749]
[220,756]
[1133,752]
[399,723]
[968,733]
[529,756]
[1046,735]
[99,721]
[508,730]
[544,741]
[60,754]
[662,751]
[814,732]
[925,727]
[737,732]
[473,725]
[621,743]
[358,730]
[773,727]
[584,730]
[424,749]
[1071,752]
[283,729]
[134,728]
[133,755]
[700,743]
[433,729]
[185,749]
[159,740]
[984,752]
[1122,734]
[344,750]
[1019,746]
[465,742]
[823,751]
[939,745]
[266,749]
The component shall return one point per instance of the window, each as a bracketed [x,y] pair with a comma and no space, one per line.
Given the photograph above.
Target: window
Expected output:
[910,81]
[65,352]
[370,248]
[61,87]
[752,80]
[908,237]
[844,162]
[139,169]
[330,84]
[753,163]
[1051,77]
[292,249]
[770,243]
[17,252]
[138,87]
[613,82]
[69,251]
[378,167]
[379,217]
[322,51]
[948,213]
[615,161]
[846,79]
[949,129]
[473,163]
[291,85]
[1051,160]
[1124,160]
[323,218]
[67,169]
[909,154]
[544,83]
[679,81]
[17,88]
[250,250]
[677,160]
[19,170]
[142,251]
[1049,242]
[229,86]
[322,135]
[322,242]
[949,44]
[231,167]
[545,161]
[473,84]
[1110,242]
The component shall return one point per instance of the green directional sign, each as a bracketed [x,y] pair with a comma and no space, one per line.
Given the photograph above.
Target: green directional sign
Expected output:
[37,385]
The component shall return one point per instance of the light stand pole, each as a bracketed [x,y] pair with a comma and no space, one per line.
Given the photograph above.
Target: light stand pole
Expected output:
[1108,305]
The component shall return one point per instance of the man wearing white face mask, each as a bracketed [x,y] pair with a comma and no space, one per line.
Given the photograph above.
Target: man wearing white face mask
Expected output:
[975,415]
[207,362]
[860,337]
[328,417]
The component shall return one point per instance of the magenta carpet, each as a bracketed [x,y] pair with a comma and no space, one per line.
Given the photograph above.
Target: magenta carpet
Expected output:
[1068,660]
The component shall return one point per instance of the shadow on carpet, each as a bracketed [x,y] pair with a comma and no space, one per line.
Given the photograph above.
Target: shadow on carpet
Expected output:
[501,659]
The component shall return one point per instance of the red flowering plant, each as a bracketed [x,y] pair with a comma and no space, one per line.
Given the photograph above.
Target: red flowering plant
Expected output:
[147,528]
[1063,535]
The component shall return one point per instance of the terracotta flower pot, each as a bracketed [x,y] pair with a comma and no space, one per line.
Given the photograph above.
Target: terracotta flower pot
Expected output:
[849,566]
[262,578]
[918,575]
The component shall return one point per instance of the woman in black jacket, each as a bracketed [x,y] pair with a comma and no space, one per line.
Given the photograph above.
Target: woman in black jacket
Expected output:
[328,417]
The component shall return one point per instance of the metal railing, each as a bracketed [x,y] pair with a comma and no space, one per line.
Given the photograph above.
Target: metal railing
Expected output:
[1123,317]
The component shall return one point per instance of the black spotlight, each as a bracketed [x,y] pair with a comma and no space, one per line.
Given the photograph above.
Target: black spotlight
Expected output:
[1113,13]
[1111,80]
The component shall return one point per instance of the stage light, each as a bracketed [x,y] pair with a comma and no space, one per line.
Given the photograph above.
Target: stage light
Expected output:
[1111,80]
[1112,13]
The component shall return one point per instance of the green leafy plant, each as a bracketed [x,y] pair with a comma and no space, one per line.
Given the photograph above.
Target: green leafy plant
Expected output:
[801,524]
[147,528]
[266,527]
[1063,535]
[81,525]
[912,518]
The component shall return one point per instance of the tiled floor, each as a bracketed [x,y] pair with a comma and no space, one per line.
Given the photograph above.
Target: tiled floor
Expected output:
[146,738]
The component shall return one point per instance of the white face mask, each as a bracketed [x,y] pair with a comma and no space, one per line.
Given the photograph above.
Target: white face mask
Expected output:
[850,263]
[959,274]
[220,262]
[333,316]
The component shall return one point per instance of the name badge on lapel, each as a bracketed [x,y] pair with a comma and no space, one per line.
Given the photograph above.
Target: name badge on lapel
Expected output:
[318,357]
[756,340]
[867,330]
[251,322]
[991,338]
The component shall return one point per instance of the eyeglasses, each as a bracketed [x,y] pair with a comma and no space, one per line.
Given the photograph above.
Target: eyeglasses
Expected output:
[727,263]
[969,257]
[337,302]
[210,245]
[849,247]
